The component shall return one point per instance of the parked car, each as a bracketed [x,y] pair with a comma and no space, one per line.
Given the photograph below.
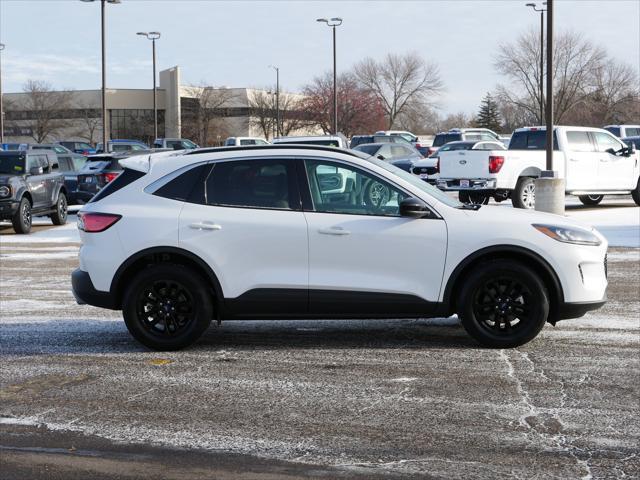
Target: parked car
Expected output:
[462,134]
[592,161]
[82,148]
[361,139]
[635,141]
[623,131]
[427,168]
[422,147]
[14,146]
[29,187]
[238,141]
[122,146]
[172,243]
[70,165]
[174,143]
[401,155]
[58,149]
[339,140]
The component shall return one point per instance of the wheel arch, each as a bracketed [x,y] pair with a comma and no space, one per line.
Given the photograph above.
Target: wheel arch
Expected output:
[158,255]
[506,252]
[533,172]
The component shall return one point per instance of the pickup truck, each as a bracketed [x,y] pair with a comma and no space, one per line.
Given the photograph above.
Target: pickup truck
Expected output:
[29,187]
[592,161]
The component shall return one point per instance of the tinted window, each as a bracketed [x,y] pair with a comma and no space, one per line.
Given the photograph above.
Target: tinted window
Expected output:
[614,130]
[12,164]
[457,146]
[252,183]
[631,132]
[230,142]
[580,142]
[188,186]
[247,142]
[531,140]
[337,188]
[78,162]
[125,178]
[443,138]
[368,149]
[606,142]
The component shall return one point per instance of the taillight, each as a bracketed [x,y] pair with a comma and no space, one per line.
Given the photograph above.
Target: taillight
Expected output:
[111,176]
[438,164]
[495,164]
[96,222]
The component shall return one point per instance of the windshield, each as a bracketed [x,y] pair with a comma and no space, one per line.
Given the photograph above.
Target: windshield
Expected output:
[370,149]
[457,146]
[443,138]
[12,164]
[417,182]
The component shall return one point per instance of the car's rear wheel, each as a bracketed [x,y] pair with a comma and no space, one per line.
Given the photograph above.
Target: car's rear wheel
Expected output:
[590,199]
[524,195]
[59,217]
[21,220]
[635,193]
[474,198]
[167,307]
[503,304]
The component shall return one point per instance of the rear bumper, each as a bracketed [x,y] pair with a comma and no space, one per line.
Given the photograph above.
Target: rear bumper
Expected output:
[8,209]
[578,309]
[474,184]
[86,294]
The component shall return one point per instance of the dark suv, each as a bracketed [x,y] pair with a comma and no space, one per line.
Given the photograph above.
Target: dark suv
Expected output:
[29,187]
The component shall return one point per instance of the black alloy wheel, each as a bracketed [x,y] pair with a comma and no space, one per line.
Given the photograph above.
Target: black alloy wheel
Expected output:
[165,308]
[59,217]
[22,219]
[503,304]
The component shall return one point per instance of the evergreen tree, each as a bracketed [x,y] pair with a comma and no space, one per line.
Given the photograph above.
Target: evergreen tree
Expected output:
[489,116]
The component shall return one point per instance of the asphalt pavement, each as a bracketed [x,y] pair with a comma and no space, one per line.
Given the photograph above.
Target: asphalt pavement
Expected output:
[79,398]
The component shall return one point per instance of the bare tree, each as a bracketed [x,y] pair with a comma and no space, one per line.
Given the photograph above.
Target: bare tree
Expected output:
[359,110]
[399,81]
[48,111]
[292,114]
[262,111]
[574,61]
[203,110]
[90,120]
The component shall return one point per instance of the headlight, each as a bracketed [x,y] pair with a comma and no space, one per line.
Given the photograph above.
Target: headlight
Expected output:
[5,191]
[574,235]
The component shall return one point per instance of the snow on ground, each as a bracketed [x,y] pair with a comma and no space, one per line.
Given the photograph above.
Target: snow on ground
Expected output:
[67,233]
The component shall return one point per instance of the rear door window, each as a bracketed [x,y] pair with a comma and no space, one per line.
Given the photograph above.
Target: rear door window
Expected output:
[531,140]
[580,142]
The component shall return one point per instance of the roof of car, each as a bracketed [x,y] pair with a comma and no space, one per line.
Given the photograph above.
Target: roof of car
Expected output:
[310,137]
[280,146]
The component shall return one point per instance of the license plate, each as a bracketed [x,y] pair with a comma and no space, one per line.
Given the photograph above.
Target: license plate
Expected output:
[464,183]
[424,175]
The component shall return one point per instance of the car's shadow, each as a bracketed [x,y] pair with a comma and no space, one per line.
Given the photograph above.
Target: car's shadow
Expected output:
[90,336]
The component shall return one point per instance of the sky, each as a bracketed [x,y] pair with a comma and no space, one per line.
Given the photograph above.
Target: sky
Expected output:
[232,43]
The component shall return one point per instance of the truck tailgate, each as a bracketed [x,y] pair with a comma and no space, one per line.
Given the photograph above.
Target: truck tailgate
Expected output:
[466,163]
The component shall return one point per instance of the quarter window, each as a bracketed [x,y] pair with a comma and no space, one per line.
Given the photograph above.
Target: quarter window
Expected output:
[337,188]
[253,183]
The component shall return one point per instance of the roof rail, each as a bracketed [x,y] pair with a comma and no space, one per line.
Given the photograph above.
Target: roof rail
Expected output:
[277,146]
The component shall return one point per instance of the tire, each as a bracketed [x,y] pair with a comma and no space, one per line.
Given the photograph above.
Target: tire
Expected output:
[503,304]
[524,195]
[590,199]
[22,219]
[376,194]
[59,217]
[182,302]
[635,194]
[474,198]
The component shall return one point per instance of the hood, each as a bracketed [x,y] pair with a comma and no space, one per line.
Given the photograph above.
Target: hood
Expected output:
[504,214]
[6,177]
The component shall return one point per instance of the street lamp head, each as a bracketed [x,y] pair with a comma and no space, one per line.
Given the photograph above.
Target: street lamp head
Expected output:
[154,35]
[142,33]
[530,5]
[322,20]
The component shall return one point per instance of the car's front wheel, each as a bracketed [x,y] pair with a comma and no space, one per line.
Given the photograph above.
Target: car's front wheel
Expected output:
[524,195]
[21,220]
[167,307]
[59,217]
[503,304]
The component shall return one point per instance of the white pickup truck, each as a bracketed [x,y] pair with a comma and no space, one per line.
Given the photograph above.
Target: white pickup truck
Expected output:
[592,161]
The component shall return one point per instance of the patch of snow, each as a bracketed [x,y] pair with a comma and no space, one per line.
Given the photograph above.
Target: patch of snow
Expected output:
[67,233]
[39,256]
[29,305]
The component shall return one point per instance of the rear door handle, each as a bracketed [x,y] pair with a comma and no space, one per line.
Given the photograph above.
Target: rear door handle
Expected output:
[205,226]
[334,231]
[604,159]
[573,159]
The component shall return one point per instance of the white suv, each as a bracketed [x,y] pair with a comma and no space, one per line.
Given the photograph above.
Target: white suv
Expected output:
[289,231]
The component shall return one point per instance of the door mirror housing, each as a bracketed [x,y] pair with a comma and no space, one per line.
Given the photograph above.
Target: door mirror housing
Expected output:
[380,157]
[36,171]
[414,208]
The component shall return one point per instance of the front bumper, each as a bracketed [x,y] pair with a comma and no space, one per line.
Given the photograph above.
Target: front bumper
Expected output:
[86,294]
[8,209]
[475,184]
[578,309]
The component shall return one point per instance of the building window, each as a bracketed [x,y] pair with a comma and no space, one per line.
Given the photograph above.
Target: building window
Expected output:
[132,124]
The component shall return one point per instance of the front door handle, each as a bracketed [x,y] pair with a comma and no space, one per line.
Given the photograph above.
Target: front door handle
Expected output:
[205,226]
[573,159]
[334,231]
[604,159]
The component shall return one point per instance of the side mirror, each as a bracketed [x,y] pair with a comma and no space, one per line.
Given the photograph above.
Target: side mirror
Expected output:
[380,157]
[611,151]
[414,208]
[36,171]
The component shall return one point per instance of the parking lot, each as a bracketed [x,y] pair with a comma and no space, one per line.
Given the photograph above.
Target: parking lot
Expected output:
[299,399]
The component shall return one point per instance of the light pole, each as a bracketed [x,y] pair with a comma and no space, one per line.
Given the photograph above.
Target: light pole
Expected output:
[333,23]
[541,10]
[277,99]
[1,109]
[153,36]
[105,147]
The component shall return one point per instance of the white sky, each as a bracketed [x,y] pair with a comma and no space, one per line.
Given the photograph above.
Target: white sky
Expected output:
[232,42]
